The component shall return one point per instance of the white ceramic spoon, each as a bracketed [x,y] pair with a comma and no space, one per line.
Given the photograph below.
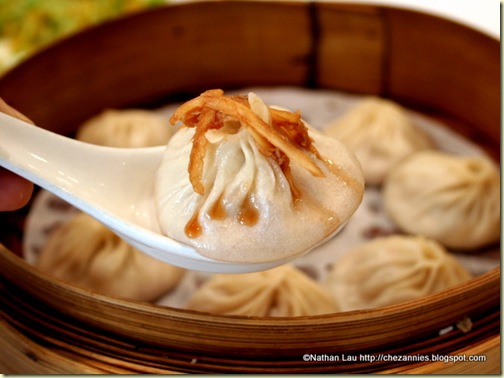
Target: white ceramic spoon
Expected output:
[114,185]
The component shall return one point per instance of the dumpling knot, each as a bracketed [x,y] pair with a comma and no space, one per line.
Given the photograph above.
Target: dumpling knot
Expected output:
[279,134]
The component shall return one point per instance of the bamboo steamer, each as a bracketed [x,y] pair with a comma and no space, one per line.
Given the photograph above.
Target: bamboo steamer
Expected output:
[438,67]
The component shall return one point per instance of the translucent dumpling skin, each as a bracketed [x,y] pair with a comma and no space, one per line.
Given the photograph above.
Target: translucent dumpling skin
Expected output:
[452,199]
[391,270]
[380,134]
[250,183]
[283,291]
[126,128]
[84,252]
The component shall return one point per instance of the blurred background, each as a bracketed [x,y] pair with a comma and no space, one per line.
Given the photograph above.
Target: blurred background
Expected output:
[29,25]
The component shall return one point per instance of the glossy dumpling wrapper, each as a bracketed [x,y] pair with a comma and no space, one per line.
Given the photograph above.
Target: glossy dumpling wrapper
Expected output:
[128,128]
[392,270]
[283,291]
[85,253]
[380,133]
[453,199]
[249,200]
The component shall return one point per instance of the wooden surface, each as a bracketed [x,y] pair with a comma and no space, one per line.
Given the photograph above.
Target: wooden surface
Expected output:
[147,59]
[420,60]
[65,317]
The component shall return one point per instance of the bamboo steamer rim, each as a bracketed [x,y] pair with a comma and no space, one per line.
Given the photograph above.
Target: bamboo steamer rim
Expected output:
[15,266]
[232,343]
[308,63]
[32,280]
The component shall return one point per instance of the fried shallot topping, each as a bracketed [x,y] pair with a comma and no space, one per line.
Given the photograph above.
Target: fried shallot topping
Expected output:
[284,139]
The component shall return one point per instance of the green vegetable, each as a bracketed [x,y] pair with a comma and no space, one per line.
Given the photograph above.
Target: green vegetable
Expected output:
[28,25]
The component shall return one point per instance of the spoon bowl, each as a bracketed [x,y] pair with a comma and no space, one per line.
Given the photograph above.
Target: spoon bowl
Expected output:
[113,185]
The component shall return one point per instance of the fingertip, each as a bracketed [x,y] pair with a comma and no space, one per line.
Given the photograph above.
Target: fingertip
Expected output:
[15,192]
[6,108]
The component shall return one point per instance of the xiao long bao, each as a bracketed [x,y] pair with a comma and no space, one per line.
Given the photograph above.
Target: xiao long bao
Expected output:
[245,182]
[450,198]
[85,253]
[380,134]
[126,128]
[391,270]
[82,251]
[283,291]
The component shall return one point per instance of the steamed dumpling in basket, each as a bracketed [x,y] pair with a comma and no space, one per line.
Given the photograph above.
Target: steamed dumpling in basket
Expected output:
[453,199]
[391,270]
[83,251]
[380,133]
[283,291]
[87,254]
[126,128]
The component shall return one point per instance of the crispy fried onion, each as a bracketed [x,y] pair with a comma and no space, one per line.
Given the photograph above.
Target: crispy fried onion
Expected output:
[285,139]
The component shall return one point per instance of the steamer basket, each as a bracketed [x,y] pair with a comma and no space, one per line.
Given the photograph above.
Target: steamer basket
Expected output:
[429,64]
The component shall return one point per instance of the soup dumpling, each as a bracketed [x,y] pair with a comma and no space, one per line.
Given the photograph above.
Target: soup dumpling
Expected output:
[380,134]
[245,182]
[391,270]
[84,252]
[127,128]
[282,291]
[450,198]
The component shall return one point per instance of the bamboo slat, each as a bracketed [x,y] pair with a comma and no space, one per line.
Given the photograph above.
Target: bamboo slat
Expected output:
[437,67]
[163,338]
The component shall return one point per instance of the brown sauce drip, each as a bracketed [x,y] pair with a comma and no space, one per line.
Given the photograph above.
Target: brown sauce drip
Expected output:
[193,228]
[296,194]
[348,180]
[218,211]
[248,215]
[297,198]
[331,219]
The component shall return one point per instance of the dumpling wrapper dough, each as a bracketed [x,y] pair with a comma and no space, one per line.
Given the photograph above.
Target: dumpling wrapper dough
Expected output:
[128,128]
[85,253]
[380,133]
[450,198]
[391,270]
[248,213]
[283,291]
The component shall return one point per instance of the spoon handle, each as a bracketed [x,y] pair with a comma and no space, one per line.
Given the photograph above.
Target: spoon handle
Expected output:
[80,173]
[114,185]
[31,151]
